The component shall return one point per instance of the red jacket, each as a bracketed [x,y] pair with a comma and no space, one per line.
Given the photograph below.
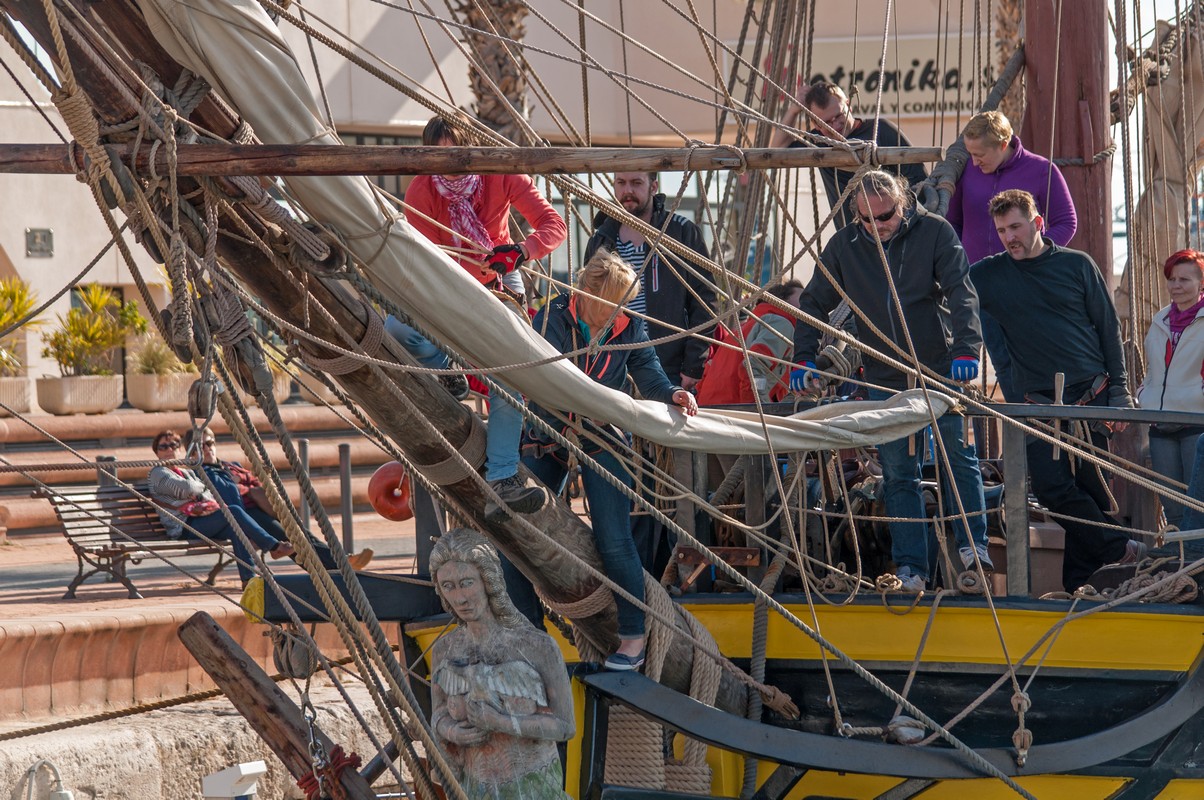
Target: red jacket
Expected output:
[498,194]
[725,379]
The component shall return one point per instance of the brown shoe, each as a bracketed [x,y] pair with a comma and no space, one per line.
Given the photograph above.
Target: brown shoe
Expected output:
[360,560]
[283,550]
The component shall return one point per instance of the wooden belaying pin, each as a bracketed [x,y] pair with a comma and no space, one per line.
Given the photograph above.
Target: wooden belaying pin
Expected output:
[1059,387]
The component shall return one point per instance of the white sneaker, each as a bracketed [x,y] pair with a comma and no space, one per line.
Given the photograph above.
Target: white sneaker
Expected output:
[967,556]
[910,581]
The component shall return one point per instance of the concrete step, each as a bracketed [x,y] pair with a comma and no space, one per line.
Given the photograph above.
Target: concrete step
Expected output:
[126,435]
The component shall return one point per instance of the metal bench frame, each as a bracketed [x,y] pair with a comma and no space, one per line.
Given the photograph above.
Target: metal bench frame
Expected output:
[111,527]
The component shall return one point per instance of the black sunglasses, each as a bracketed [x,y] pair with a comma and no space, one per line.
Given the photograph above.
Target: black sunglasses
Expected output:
[168,445]
[885,216]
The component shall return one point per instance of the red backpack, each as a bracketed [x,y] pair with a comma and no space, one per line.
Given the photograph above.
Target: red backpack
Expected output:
[725,379]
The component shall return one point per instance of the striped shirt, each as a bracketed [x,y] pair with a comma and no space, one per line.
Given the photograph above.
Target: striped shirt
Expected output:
[634,256]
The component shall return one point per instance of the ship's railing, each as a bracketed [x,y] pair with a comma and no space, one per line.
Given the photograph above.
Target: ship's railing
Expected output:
[691,469]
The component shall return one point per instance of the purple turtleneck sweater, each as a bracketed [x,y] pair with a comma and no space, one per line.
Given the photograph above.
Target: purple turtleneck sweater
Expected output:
[1023,170]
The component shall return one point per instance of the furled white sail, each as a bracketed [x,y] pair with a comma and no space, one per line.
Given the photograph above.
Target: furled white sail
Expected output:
[240,52]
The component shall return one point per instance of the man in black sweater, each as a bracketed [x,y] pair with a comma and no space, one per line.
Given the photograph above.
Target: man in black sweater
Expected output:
[830,105]
[1057,316]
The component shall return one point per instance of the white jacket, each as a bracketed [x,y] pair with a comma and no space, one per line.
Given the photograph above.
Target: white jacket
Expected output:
[1178,386]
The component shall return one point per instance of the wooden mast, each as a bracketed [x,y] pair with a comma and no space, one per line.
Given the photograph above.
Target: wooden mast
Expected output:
[278,159]
[1068,114]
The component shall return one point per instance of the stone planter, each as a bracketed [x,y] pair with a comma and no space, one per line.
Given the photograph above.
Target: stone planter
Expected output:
[160,392]
[316,392]
[80,394]
[14,393]
[282,389]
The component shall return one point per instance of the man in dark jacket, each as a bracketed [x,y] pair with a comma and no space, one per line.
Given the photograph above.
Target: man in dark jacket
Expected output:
[1057,316]
[834,119]
[671,292]
[929,274]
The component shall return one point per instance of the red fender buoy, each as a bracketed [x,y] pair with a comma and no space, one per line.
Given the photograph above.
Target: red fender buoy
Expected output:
[389,492]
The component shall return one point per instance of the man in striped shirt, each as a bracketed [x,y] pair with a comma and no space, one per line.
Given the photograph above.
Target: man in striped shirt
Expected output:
[676,294]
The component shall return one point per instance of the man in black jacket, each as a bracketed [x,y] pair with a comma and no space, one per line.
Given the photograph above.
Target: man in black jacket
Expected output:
[1057,316]
[930,277]
[671,291]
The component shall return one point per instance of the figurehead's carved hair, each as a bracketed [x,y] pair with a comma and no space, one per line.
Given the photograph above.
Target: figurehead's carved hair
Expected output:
[990,127]
[1002,203]
[469,547]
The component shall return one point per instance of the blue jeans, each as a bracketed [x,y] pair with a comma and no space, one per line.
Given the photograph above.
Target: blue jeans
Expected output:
[1193,519]
[903,498]
[1001,359]
[216,527]
[505,421]
[1174,457]
[610,515]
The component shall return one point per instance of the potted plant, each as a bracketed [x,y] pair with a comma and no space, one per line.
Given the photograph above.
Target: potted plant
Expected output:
[84,345]
[158,380]
[17,300]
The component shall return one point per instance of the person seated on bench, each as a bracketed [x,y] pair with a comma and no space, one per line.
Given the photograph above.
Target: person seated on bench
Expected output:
[182,500]
[239,486]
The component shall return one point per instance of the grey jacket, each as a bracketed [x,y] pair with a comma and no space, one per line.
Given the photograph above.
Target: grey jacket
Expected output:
[170,491]
[931,275]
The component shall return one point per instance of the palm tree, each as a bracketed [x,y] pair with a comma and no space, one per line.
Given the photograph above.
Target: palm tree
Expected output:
[498,62]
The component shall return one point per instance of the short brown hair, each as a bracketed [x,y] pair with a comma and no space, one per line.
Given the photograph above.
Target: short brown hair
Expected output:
[161,436]
[440,128]
[782,290]
[1017,199]
[822,93]
[989,126]
[606,276]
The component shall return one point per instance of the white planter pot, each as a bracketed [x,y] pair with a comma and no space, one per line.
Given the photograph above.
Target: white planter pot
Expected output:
[282,388]
[160,392]
[14,393]
[316,392]
[80,394]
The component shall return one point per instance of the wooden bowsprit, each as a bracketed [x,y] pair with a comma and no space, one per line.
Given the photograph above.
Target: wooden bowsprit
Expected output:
[276,718]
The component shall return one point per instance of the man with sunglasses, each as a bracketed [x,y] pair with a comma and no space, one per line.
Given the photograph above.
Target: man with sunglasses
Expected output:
[926,274]
[832,117]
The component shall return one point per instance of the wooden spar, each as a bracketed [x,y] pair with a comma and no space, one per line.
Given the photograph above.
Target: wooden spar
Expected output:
[276,719]
[1066,94]
[419,430]
[216,160]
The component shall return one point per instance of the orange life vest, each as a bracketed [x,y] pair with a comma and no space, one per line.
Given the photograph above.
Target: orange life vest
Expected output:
[725,378]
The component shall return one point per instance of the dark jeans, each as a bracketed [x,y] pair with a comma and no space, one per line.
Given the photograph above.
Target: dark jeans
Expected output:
[1001,359]
[610,515]
[227,488]
[1081,495]
[904,500]
[1192,519]
[215,526]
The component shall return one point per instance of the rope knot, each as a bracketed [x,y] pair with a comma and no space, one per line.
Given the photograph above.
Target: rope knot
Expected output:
[1021,702]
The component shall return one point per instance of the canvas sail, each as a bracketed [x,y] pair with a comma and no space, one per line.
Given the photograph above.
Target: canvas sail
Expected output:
[238,49]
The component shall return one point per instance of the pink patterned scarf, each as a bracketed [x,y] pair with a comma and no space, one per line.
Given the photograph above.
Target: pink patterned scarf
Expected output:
[460,192]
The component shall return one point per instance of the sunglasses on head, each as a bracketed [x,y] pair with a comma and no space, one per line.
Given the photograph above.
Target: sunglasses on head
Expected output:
[168,445]
[885,216]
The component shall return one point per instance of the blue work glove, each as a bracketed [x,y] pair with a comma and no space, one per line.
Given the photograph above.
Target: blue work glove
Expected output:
[964,369]
[802,377]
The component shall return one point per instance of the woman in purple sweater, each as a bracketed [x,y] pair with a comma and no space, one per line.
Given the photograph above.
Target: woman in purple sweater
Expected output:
[998,161]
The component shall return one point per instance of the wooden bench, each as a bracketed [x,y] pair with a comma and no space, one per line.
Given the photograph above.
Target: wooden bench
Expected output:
[111,527]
